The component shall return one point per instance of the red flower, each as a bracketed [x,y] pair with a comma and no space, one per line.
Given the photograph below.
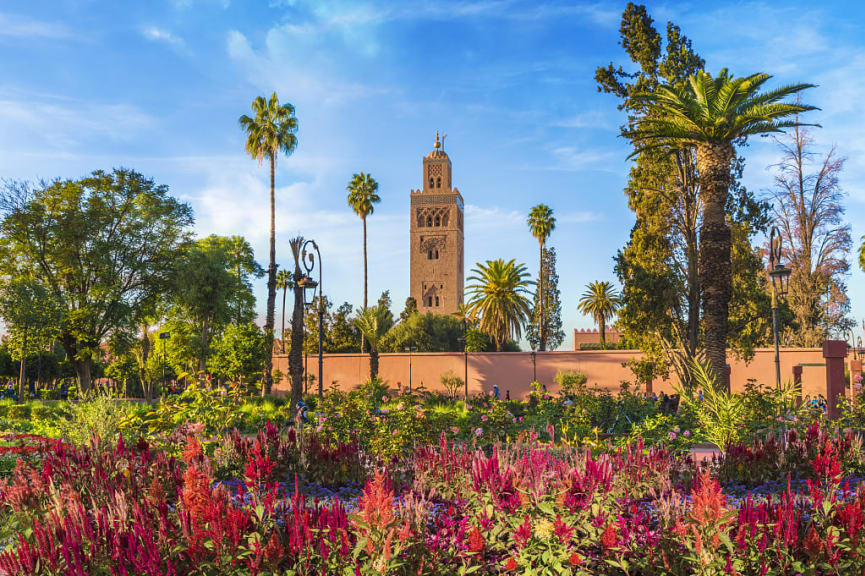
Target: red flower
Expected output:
[575,559]
[812,542]
[562,530]
[610,537]
[476,541]
[511,564]
[523,533]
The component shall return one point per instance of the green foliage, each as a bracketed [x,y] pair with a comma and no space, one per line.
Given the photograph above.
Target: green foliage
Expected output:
[720,413]
[426,332]
[98,416]
[363,194]
[452,383]
[239,354]
[103,246]
[601,302]
[552,307]
[498,299]
[571,382]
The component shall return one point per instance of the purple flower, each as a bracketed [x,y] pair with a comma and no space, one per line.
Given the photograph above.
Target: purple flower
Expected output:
[672,435]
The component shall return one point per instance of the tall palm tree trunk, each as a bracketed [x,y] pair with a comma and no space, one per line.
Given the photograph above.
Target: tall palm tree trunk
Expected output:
[373,364]
[602,328]
[542,338]
[713,163]
[362,339]
[282,335]
[364,263]
[267,378]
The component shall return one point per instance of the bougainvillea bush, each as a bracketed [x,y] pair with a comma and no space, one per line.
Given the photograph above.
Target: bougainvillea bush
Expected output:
[524,508]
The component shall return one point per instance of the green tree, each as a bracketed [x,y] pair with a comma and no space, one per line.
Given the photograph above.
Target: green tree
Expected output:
[547,302]
[343,335]
[710,115]
[272,129]
[284,281]
[498,298]
[204,286]
[362,198]
[427,332]
[32,319]
[102,245]
[600,301]
[241,260]
[310,323]
[541,223]
[409,310]
[373,323]
[239,354]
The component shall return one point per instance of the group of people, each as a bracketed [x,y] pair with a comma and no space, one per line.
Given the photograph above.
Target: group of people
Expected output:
[10,390]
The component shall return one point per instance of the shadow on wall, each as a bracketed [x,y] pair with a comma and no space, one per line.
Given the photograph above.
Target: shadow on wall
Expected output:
[515,371]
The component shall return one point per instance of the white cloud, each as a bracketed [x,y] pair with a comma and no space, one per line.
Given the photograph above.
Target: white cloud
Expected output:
[15,26]
[577,159]
[156,34]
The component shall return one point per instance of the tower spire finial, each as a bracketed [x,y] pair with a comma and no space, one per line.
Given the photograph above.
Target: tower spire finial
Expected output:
[437,145]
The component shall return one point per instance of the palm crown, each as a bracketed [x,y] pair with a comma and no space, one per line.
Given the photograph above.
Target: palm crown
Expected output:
[499,298]
[363,194]
[273,129]
[719,109]
[600,301]
[541,222]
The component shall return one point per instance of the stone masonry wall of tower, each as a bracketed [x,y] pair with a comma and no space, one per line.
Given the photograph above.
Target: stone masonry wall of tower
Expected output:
[436,230]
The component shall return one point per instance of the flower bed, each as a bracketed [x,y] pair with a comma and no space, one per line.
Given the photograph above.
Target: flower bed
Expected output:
[525,508]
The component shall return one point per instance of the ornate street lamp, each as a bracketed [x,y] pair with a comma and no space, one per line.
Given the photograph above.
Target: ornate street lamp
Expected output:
[780,276]
[409,349]
[309,292]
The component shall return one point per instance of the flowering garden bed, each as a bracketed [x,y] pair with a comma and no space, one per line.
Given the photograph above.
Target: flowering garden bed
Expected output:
[271,505]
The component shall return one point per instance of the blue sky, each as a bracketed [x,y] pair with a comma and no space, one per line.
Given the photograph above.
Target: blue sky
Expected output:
[158,86]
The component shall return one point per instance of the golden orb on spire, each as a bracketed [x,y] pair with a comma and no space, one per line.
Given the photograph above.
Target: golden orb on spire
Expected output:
[437,145]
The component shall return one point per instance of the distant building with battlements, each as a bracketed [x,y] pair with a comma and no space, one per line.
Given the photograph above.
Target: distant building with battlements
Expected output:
[437,268]
[591,338]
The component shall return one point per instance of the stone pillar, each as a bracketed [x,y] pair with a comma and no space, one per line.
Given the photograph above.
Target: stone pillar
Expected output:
[855,370]
[797,380]
[834,352]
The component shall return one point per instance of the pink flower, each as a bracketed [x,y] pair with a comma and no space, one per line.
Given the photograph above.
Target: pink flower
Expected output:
[672,435]
[484,418]
[515,419]
[455,430]
[479,431]
[385,399]
[687,433]
[468,406]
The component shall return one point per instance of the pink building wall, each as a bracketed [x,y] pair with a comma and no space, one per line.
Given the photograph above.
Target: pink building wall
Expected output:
[514,371]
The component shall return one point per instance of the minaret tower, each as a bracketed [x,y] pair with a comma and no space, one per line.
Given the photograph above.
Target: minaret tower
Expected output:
[437,272]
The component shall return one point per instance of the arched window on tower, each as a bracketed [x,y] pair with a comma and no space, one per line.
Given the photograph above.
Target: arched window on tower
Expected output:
[429,255]
[429,220]
[431,183]
[438,221]
[439,182]
[437,301]
[429,301]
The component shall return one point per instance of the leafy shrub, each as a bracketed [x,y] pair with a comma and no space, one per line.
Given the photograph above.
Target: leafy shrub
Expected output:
[18,412]
[452,383]
[99,416]
[570,382]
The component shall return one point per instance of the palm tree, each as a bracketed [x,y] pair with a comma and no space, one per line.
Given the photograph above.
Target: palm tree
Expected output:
[362,197]
[499,299]
[541,222]
[271,131]
[373,324]
[600,301]
[711,115]
[284,281]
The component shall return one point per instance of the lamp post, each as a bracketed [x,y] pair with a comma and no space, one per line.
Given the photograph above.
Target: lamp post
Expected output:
[309,289]
[780,275]
[409,349]
[163,336]
[465,342]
